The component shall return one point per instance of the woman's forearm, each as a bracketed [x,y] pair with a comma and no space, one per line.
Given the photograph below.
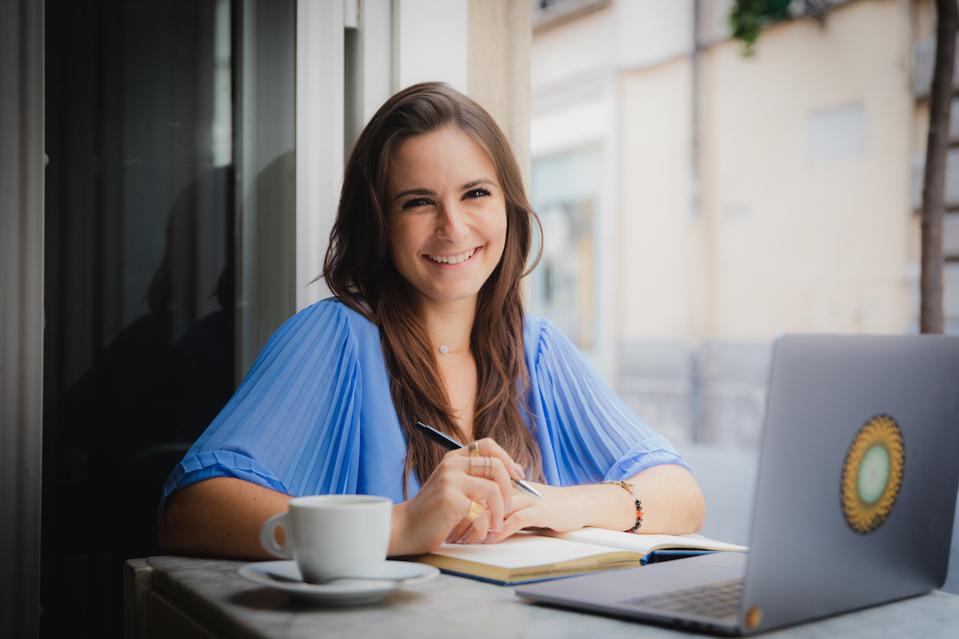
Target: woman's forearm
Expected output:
[401,538]
[219,517]
[672,502]
[222,517]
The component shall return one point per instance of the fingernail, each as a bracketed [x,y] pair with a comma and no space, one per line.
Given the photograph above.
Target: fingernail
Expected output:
[519,469]
[509,505]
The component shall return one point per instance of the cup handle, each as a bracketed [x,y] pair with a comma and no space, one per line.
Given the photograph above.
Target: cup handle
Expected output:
[268,536]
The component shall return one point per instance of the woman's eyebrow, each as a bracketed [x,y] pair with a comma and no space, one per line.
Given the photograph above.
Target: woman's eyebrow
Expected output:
[470,185]
[422,191]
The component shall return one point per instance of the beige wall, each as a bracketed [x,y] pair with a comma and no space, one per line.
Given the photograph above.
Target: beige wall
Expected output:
[652,31]
[571,49]
[654,216]
[800,229]
[804,220]
[807,244]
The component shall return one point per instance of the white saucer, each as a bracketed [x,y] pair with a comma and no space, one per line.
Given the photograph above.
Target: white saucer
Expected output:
[389,576]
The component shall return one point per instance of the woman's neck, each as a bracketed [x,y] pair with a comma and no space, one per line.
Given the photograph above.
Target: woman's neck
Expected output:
[449,324]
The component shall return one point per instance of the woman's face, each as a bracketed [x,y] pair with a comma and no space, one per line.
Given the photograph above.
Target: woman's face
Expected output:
[447,214]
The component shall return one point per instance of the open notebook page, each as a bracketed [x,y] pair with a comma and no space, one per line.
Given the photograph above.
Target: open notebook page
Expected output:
[522,550]
[643,543]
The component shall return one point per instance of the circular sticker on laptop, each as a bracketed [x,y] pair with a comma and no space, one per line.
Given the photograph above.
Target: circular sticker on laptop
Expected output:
[872,474]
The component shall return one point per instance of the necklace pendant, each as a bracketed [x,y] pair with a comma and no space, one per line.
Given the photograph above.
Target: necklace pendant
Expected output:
[444,349]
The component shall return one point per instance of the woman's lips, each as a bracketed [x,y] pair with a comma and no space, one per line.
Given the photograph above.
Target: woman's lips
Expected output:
[462,259]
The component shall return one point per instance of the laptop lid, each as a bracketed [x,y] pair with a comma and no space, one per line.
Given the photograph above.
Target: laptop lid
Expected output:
[857,480]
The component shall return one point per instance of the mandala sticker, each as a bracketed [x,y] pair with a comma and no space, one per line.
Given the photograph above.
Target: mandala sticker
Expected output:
[872,474]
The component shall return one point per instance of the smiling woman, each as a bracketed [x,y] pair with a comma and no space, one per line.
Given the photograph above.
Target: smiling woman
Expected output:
[430,244]
[448,231]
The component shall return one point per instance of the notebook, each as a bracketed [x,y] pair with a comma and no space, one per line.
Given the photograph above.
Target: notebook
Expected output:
[529,557]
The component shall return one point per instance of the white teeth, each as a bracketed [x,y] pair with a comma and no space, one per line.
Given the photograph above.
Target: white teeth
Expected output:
[453,259]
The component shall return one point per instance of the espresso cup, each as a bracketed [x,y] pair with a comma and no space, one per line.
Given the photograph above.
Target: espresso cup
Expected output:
[332,536]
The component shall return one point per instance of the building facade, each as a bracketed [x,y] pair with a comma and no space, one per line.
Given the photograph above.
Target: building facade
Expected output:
[730,198]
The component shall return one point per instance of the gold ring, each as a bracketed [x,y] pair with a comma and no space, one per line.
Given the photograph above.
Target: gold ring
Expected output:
[470,470]
[473,449]
[475,511]
[488,470]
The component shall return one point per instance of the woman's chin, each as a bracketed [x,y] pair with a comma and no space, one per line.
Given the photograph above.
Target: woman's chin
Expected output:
[453,296]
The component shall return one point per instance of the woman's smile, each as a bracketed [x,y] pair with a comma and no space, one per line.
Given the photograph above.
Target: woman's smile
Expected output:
[454,260]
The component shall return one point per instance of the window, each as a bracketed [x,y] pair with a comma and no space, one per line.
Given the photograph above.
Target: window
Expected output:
[564,287]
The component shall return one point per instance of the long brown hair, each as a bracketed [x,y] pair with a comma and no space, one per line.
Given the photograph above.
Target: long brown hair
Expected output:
[360,272]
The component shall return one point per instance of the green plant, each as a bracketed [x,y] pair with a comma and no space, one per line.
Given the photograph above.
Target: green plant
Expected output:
[747,17]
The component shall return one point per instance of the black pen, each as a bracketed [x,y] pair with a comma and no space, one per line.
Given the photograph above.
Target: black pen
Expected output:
[449,443]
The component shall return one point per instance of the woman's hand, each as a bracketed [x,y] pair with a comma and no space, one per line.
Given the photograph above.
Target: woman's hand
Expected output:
[672,504]
[559,510]
[439,512]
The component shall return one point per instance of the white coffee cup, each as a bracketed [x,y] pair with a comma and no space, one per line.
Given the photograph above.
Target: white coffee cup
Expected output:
[332,536]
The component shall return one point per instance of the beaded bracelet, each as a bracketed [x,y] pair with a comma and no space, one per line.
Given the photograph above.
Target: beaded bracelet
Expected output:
[639,504]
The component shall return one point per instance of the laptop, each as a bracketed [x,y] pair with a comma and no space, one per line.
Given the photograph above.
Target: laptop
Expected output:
[855,498]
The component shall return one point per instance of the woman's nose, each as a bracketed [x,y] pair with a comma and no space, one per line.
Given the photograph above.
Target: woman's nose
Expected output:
[451,225]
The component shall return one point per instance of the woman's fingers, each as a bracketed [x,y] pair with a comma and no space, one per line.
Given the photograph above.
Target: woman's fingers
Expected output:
[492,468]
[487,494]
[513,524]
[477,531]
[471,531]
[458,531]
[482,479]
[462,479]
[489,448]
[502,477]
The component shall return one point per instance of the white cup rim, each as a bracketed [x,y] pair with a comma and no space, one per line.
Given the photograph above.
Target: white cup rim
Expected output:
[339,501]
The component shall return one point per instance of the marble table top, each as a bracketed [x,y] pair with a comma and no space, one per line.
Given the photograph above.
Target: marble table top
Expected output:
[213,592]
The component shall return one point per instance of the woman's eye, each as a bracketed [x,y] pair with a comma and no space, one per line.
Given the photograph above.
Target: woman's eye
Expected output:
[477,193]
[415,202]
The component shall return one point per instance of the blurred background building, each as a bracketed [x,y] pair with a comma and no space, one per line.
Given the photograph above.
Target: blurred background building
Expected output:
[698,202]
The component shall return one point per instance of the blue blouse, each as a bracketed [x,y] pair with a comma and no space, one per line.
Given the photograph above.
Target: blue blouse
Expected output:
[314,415]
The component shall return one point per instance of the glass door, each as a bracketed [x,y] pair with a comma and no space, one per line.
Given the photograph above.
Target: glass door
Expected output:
[170,132]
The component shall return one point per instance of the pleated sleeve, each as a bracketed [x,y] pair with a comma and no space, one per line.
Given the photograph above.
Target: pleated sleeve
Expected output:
[591,434]
[293,424]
